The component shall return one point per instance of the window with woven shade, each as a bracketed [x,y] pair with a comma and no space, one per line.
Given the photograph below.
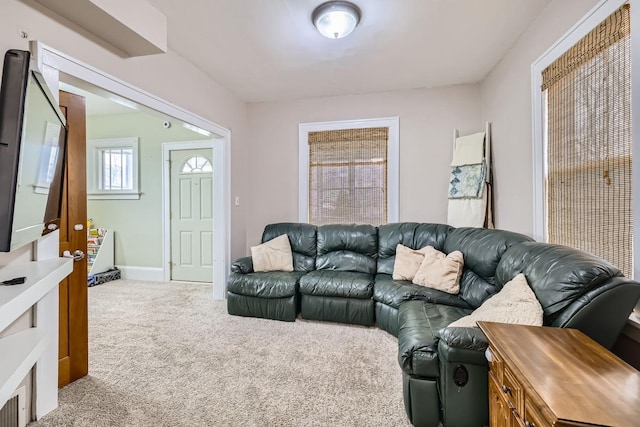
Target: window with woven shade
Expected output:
[588,144]
[348,176]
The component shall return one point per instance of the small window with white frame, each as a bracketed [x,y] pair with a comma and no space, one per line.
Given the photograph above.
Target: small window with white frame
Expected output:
[113,168]
[349,171]
[196,164]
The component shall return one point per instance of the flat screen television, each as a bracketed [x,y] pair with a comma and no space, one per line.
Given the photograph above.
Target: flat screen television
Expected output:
[33,138]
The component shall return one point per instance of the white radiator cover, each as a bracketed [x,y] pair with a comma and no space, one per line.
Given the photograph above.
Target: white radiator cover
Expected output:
[14,412]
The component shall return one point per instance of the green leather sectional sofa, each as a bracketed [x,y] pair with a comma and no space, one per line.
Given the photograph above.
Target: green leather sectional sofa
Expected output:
[343,273]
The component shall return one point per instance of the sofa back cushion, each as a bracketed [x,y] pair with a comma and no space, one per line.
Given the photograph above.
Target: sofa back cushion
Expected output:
[347,247]
[482,250]
[557,274]
[410,234]
[303,242]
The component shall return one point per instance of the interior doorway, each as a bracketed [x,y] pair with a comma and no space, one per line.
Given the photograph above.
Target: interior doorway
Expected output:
[191,215]
[58,66]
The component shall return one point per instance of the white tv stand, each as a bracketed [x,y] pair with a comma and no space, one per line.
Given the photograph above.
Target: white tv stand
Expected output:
[38,345]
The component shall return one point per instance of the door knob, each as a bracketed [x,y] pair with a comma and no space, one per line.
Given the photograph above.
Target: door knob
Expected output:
[77,255]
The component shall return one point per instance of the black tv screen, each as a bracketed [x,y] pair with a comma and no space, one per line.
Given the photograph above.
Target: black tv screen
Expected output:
[32,151]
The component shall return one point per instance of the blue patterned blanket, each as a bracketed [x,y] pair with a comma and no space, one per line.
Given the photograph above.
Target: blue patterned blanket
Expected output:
[467,182]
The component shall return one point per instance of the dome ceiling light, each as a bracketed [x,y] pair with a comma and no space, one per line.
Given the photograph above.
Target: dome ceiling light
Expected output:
[336,19]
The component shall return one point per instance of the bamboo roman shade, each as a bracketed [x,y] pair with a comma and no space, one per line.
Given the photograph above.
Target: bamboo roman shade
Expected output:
[348,176]
[588,90]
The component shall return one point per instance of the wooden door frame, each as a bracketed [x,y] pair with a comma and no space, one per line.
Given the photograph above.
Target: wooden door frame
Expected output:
[54,63]
[216,151]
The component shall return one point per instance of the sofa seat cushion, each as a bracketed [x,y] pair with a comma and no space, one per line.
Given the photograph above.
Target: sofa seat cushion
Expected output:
[395,292]
[272,284]
[330,283]
[419,323]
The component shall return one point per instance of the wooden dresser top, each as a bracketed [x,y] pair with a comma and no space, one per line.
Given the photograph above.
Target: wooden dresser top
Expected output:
[578,379]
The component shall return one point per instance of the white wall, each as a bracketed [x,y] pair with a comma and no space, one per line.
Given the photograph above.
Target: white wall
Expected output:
[168,76]
[506,103]
[427,120]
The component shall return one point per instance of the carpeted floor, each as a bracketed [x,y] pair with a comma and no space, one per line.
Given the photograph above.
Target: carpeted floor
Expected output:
[166,354]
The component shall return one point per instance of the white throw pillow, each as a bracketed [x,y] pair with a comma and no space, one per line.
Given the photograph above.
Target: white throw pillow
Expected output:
[274,255]
[515,303]
[407,262]
[440,271]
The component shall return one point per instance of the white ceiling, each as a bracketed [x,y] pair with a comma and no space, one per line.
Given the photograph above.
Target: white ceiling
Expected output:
[267,50]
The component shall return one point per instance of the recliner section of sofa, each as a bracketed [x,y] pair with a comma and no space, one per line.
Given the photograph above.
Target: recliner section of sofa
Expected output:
[273,294]
[420,321]
[343,273]
[561,277]
[341,287]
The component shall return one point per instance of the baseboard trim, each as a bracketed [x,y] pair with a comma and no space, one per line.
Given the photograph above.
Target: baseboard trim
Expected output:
[151,274]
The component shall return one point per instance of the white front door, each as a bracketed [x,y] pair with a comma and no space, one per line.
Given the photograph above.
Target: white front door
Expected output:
[191,215]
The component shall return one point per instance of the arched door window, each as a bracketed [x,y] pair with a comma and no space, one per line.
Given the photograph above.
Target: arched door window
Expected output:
[197,164]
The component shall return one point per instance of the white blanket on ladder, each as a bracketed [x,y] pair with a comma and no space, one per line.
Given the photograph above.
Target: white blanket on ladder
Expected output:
[468,212]
[468,150]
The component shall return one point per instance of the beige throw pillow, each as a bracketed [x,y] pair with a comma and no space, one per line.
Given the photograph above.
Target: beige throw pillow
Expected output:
[515,303]
[440,271]
[407,262]
[274,255]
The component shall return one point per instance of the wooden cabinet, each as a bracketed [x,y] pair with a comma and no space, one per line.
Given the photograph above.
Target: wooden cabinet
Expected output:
[502,394]
[499,410]
[542,376]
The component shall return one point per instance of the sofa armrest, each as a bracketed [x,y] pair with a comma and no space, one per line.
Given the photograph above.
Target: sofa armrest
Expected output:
[463,345]
[242,265]
[464,338]
[602,313]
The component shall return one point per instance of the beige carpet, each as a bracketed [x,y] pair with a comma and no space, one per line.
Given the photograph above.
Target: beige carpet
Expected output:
[166,354]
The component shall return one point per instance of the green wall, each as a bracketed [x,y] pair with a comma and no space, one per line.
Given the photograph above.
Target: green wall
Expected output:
[137,223]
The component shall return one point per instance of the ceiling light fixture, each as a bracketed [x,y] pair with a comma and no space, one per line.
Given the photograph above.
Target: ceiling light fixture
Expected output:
[336,19]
